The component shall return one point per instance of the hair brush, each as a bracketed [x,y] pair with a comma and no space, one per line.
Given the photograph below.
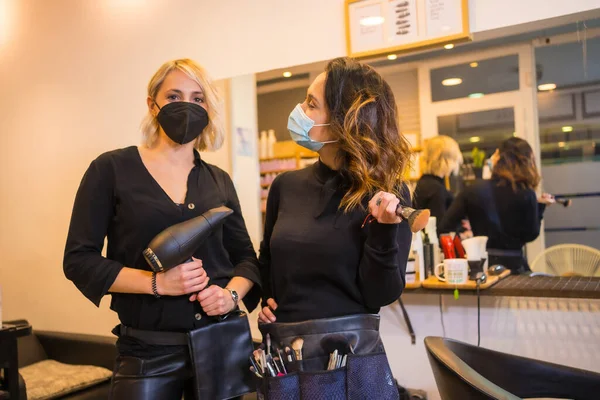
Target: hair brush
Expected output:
[417,219]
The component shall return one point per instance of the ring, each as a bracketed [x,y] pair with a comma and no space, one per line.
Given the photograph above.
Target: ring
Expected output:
[378,202]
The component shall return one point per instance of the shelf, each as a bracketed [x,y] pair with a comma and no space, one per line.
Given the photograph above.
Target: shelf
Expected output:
[277,171]
[265,185]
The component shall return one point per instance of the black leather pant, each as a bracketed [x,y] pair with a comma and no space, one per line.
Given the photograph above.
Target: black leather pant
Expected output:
[167,377]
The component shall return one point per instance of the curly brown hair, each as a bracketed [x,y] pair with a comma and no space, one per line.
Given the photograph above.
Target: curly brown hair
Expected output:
[516,164]
[372,153]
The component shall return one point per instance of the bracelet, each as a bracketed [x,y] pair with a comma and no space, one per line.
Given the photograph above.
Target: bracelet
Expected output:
[154,289]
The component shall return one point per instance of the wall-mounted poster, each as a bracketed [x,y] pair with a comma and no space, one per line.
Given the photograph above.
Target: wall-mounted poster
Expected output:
[386,26]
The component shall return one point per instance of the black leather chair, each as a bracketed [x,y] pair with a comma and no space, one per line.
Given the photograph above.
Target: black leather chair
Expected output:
[70,348]
[463,371]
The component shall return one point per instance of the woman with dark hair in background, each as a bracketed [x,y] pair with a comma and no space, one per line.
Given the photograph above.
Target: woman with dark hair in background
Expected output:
[505,208]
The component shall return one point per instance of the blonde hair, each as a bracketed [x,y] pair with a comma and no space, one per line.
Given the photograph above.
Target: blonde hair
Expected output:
[213,135]
[440,156]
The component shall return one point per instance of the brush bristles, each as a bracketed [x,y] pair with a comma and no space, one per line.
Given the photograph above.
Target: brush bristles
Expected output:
[418,220]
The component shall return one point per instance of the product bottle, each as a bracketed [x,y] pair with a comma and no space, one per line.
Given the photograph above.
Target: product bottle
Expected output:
[271,144]
[428,256]
[263,145]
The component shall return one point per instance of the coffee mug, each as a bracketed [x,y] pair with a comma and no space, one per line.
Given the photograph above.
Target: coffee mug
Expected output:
[456,271]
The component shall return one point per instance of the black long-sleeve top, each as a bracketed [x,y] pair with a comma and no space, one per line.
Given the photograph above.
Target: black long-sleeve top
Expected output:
[509,218]
[119,200]
[316,261]
[431,193]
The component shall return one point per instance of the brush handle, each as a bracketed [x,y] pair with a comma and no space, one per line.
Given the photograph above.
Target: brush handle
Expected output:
[404,212]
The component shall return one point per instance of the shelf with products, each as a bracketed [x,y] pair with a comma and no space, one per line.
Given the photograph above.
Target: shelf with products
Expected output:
[287,156]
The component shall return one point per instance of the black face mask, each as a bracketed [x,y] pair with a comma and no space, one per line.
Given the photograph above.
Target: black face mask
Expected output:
[182,121]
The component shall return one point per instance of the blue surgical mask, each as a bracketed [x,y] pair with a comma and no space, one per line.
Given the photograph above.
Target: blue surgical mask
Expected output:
[299,124]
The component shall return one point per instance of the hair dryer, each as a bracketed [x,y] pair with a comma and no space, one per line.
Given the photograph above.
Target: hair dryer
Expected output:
[177,243]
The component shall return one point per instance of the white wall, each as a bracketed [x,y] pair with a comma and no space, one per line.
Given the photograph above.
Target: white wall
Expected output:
[73,76]
[245,171]
[487,15]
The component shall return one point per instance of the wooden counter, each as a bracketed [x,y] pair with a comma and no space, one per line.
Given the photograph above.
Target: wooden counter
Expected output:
[537,286]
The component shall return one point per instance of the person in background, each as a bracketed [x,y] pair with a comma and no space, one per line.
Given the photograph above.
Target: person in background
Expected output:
[129,196]
[439,158]
[505,208]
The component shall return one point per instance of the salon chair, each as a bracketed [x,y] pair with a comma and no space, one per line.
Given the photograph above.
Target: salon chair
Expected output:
[463,371]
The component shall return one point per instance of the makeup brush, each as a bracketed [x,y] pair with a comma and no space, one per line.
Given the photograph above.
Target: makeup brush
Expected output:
[338,342]
[417,219]
[268,343]
[297,346]
[289,354]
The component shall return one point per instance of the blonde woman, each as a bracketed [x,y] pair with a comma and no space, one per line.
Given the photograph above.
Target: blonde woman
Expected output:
[440,157]
[130,195]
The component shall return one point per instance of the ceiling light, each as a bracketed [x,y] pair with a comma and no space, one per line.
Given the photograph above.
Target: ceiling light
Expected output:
[547,86]
[287,74]
[371,21]
[474,65]
[451,81]
[475,139]
[475,95]
[392,57]
[561,144]
[449,46]
[567,129]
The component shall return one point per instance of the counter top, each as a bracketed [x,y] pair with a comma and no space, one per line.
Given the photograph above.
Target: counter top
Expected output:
[537,286]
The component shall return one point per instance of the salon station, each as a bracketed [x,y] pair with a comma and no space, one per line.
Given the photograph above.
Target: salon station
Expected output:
[468,76]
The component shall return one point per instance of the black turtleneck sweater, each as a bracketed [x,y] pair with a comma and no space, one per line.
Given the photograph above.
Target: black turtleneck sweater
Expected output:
[316,261]
[431,193]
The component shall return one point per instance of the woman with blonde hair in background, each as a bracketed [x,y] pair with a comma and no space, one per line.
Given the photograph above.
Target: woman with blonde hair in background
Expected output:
[439,158]
[129,196]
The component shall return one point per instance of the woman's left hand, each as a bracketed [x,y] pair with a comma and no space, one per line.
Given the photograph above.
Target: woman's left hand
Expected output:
[383,208]
[215,300]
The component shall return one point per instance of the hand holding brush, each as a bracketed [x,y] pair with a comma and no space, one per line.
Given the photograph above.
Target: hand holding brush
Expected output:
[386,209]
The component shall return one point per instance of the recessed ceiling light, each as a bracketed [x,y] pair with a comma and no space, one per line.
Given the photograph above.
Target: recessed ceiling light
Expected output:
[474,65]
[475,139]
[449,46]
[475,95]
[451,81]
[547,86]
[287,74]
[392,56]
[567,129]
[561,144]
[372,21]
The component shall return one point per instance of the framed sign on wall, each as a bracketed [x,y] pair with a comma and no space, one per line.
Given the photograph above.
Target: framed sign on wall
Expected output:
[376,27]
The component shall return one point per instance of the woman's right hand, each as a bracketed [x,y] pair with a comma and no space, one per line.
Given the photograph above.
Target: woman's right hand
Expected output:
[266,315]
[183,279]
[546,199]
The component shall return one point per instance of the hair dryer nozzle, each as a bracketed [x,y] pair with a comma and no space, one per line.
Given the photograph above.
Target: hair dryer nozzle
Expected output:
[176,244]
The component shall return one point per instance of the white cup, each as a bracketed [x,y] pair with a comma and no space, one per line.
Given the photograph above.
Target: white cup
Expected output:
[456,271]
